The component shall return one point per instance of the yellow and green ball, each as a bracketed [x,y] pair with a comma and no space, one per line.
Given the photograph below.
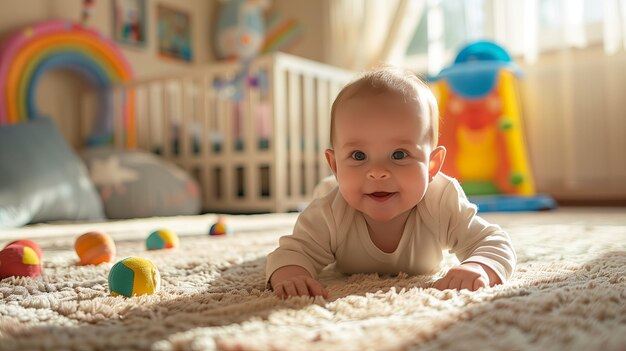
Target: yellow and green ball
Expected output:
[162,239]
[134,276]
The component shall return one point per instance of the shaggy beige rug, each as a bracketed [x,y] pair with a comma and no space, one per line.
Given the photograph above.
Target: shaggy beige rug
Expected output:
[568,293]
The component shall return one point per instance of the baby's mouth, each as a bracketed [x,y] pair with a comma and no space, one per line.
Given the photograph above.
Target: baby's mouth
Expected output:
[380,196]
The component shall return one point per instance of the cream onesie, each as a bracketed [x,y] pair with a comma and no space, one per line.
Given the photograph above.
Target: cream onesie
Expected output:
[329,230]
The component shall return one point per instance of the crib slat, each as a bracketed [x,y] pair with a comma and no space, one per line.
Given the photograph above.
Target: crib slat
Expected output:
[278,138]
[130,117]
[323,126]
[166,142]
[228,146]
[252,150]
[295,136]
[309,135]
[186,99]
[203,143]
[141,118]
[137,113]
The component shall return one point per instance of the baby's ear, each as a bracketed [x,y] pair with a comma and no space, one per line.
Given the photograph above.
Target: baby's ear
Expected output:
[332,162]
[436,161]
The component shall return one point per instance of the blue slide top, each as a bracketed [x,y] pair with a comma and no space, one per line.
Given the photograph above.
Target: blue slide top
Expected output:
[475,69]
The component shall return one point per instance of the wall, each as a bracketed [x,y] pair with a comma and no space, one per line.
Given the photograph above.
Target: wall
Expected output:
[312,17]
[58,92]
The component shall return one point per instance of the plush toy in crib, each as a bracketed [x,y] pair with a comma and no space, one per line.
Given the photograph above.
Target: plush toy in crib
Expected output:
[240,35]
[162,239]
[240,29]
[134,276]
[94,248]
[18,260]
[220,227]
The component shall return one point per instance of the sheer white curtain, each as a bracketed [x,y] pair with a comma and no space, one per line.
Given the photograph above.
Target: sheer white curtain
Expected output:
[363,33]
[614,26]
[516,24]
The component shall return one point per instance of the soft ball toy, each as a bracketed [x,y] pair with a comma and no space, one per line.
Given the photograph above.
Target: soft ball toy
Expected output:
[20,261]
[29,243]
[162,239]
[95,248]
[220,227]
[134,276]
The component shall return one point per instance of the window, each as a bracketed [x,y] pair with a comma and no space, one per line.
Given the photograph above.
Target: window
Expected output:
[468,20]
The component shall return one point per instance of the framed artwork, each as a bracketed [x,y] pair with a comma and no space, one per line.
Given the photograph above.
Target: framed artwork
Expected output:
[129,22]
[174,33]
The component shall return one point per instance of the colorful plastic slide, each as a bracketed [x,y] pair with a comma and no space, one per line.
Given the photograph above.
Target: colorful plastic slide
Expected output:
[481,128]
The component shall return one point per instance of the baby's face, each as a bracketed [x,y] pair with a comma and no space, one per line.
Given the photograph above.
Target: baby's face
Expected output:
[381,155]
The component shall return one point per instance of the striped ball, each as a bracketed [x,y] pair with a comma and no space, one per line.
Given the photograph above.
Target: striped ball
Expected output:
[19,261]
[220,227]
[95,248]
[134,276]
[162,239]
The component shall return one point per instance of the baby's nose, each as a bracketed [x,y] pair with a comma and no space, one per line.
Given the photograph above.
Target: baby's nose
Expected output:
[377,173]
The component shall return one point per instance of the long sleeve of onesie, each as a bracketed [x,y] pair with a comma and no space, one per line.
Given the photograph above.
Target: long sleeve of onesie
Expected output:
[311,244]
[471,238]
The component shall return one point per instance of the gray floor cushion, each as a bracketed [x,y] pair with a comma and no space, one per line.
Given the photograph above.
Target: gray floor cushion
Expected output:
[135,184]
[41,178]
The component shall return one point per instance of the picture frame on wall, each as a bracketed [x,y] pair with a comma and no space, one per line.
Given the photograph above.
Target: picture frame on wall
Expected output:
[174,33]
[129,22]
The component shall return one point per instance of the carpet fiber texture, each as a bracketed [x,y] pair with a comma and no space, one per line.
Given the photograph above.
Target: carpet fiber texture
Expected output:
[567,293]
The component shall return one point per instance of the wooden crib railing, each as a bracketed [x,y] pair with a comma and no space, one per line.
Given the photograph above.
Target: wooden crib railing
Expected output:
[260,153]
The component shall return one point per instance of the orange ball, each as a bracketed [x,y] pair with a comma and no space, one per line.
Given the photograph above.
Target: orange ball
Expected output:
[95,248]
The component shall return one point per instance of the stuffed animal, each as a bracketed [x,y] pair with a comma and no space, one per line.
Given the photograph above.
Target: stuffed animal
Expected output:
[240,29]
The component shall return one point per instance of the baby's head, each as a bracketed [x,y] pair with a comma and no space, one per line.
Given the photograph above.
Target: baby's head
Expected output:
[394,82]
[384,133]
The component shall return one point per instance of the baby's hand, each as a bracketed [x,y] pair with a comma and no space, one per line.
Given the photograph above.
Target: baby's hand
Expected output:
[296,281]
[299,286]
[470,276]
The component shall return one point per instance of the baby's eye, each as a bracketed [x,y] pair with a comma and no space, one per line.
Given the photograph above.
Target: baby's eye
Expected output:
[358,155]
[399,155]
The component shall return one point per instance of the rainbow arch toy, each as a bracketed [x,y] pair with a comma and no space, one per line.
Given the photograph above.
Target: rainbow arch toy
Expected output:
[32,51]
[481,128]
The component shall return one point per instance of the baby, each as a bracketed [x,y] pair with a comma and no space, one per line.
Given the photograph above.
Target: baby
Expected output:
[391,210]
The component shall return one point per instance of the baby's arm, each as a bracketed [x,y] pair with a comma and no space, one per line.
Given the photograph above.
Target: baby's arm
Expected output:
[291,269]
[485,250]
[295,281]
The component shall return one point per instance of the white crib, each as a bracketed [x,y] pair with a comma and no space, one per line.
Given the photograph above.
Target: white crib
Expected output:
[267,156]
